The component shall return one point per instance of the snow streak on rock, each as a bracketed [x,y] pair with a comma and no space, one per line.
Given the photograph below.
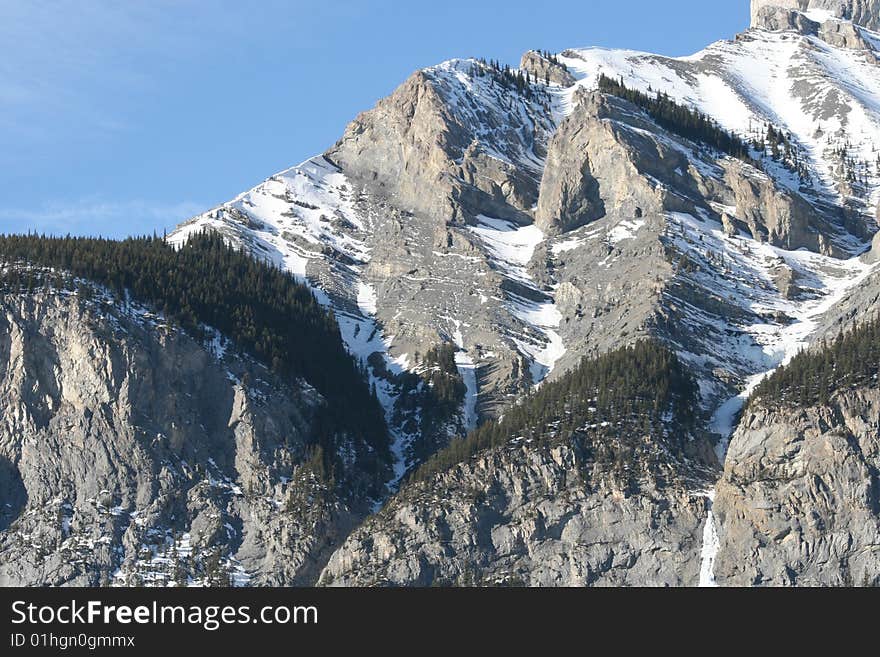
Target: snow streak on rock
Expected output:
[764,345]
[512,249]
[710,546]
[825,97]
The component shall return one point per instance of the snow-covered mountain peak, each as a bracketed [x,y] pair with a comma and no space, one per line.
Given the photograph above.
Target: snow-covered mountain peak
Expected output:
[861,12]
[825,97]
[528,221]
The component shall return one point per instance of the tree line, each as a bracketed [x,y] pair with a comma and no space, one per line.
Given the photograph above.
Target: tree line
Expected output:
[262,309]
[437,391]
[614,398]
[850,360]
[679,119]
[508,78]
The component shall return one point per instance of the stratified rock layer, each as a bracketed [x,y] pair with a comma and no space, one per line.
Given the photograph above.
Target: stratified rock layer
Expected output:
[799,502]
[861,12]
[131,454]
[526,516]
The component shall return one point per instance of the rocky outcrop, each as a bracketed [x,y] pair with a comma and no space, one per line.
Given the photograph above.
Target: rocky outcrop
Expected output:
[843,35]
[777,215]
[605,159]
[416,120]
[779,19]
[527,516]
[842,31]
[543,69]
[799,501]
[861,12]
[427,146]
[130,453]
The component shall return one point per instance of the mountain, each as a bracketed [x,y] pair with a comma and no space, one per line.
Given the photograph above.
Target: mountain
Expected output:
[799,501]
[496,242]
[865,13]
[141,445]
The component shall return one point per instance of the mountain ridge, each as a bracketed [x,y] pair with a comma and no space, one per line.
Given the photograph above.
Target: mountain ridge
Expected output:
[846,212]
[486,234]
[865,13]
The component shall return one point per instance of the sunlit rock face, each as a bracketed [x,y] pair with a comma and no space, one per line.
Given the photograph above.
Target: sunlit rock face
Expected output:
[765,13]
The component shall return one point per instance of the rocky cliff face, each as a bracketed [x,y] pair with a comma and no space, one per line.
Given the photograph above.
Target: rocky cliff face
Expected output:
[453,156]
[799,501]
[528,220]
[131,454]
[833,21]
[541,67]
[534,516]
[861,12]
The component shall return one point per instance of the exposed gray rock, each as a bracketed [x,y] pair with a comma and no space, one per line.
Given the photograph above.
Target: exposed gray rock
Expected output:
[526,516]
[456,144]
[420,146]
[841,32]
[843,35]
[860,303]
[777,215]
[786,280]
[606,159]
[729,223]
[600,163]
[130,454]
[778,18]
[543,69]
[799,502]
[861,12]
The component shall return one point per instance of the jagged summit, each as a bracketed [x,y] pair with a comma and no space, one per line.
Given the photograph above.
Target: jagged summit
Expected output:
[466,207]
[483,234]
[776,14]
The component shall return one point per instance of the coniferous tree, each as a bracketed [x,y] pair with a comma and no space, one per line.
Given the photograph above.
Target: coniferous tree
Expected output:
[679,119]
[605,402]
[813,376]
[207,283]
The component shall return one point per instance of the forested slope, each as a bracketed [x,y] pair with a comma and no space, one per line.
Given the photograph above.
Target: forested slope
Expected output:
[262,309]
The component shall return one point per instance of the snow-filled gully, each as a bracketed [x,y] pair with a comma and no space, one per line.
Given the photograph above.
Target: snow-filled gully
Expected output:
[837,278]
[512,248]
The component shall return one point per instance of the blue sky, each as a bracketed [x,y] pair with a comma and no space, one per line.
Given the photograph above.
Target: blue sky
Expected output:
[124,117]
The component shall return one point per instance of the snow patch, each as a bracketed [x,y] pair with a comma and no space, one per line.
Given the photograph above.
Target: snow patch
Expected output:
[566,246]
[625,230]
[468,372]
[819,15]
[545,317]
[711,544]
[510,245]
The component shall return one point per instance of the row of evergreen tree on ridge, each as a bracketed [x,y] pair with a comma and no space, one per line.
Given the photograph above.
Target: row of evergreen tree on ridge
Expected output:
[509,78]
[679,119]
[697,126]
[261,308]
[850,360]
[622,394]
